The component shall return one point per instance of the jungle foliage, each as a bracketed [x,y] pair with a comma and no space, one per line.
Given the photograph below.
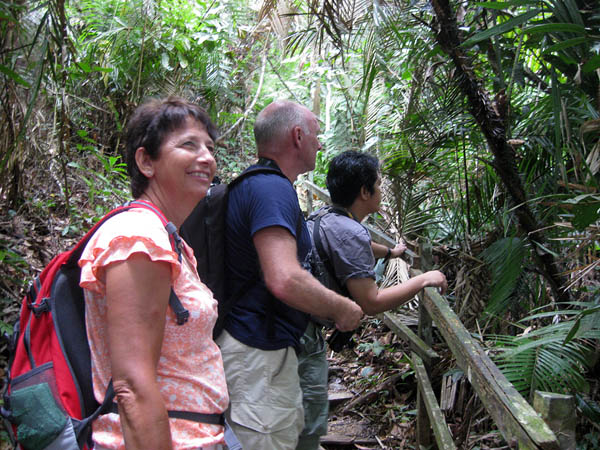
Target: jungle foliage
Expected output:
[485,115]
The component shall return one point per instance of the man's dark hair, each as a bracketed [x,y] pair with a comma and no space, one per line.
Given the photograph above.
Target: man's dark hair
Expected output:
[149,125]
[348,173]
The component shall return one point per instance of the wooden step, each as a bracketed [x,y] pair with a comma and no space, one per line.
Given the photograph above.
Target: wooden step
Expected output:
[335,398]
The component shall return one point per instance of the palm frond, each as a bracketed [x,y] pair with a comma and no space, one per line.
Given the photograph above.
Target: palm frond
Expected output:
[544,364]
[505,261]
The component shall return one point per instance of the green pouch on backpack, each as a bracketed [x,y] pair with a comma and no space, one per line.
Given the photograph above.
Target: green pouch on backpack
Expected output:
[38,417]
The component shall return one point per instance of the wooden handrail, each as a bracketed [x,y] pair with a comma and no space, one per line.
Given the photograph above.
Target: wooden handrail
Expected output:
[517,420]
[417,344]
[436,418]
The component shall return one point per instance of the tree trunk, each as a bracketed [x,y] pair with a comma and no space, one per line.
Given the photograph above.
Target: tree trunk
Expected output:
[494,129]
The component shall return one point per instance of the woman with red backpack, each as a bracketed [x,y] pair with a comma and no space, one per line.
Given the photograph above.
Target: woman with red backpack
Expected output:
[158,361]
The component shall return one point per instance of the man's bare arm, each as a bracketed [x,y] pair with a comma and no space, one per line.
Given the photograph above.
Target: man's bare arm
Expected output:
[293,285]
[374,301]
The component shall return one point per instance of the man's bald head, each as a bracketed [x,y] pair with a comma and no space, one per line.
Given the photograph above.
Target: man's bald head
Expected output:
[275,123]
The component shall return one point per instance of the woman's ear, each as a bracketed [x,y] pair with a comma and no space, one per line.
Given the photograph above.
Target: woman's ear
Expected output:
[144,163]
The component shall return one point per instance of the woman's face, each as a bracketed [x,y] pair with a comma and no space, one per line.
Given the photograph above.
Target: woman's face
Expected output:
[185,166]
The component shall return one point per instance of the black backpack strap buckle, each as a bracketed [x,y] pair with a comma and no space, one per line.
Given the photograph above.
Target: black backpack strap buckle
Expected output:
[43,307]
[181,313]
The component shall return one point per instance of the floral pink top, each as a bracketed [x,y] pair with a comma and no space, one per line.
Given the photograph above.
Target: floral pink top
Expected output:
[190,369]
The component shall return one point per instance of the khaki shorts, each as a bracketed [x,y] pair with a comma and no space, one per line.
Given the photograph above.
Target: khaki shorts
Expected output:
[265,409]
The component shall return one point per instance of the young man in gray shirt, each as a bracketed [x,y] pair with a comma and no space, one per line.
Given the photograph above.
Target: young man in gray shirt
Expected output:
[354,183]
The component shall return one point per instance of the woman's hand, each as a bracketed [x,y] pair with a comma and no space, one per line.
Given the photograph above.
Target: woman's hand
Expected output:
[137,296]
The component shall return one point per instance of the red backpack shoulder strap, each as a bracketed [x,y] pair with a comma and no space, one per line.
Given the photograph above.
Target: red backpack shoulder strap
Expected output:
[181,313]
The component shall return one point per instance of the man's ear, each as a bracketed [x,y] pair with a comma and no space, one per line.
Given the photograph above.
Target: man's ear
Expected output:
[364,193]
[297,135]
[144,162]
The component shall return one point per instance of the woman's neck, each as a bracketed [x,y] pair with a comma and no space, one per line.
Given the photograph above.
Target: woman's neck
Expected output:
[171,211]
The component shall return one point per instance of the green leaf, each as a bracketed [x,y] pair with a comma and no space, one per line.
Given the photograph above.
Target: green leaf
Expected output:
[505,261]
[505,5]
[7,17]
[545,249]
[588,407]
[14,75]
[6,329]
[574,331]
[378,348]
[183,62]
[583,198]
[565,44]
[164,60]
[502,28]
[585,214]
[555,27]
[592,64]
[85,67]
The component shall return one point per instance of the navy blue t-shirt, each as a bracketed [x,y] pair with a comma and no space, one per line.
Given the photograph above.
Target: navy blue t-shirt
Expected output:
[258,319]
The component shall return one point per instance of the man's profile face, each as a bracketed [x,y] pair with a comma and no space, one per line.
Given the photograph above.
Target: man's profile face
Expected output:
[375,197]
[311,144]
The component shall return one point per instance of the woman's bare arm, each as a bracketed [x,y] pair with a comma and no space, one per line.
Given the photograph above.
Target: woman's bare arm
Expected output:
[137,295]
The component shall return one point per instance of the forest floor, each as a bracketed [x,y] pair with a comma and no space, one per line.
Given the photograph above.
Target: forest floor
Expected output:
[373,391]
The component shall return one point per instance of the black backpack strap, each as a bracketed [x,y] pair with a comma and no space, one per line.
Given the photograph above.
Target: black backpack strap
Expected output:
[338,339]
[212,419]
[83,427]
[323,256]
[182,315]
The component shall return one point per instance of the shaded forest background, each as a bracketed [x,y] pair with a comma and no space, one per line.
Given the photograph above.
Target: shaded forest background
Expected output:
[485,116]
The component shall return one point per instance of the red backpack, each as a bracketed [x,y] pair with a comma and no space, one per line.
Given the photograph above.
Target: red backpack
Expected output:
[48,396]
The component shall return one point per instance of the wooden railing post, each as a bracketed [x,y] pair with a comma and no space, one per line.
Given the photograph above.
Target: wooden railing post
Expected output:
[559,412]
[309,199]
[424,434]
[516,419]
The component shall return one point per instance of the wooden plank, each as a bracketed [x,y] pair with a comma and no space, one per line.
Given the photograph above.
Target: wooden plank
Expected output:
[340,439]
[416,343]
[424,436]
[423,429]
[335,398]
[425,328]
[441,432]
[516,419]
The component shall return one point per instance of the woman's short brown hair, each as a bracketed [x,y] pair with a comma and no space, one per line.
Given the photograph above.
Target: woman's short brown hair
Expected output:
[149,125]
